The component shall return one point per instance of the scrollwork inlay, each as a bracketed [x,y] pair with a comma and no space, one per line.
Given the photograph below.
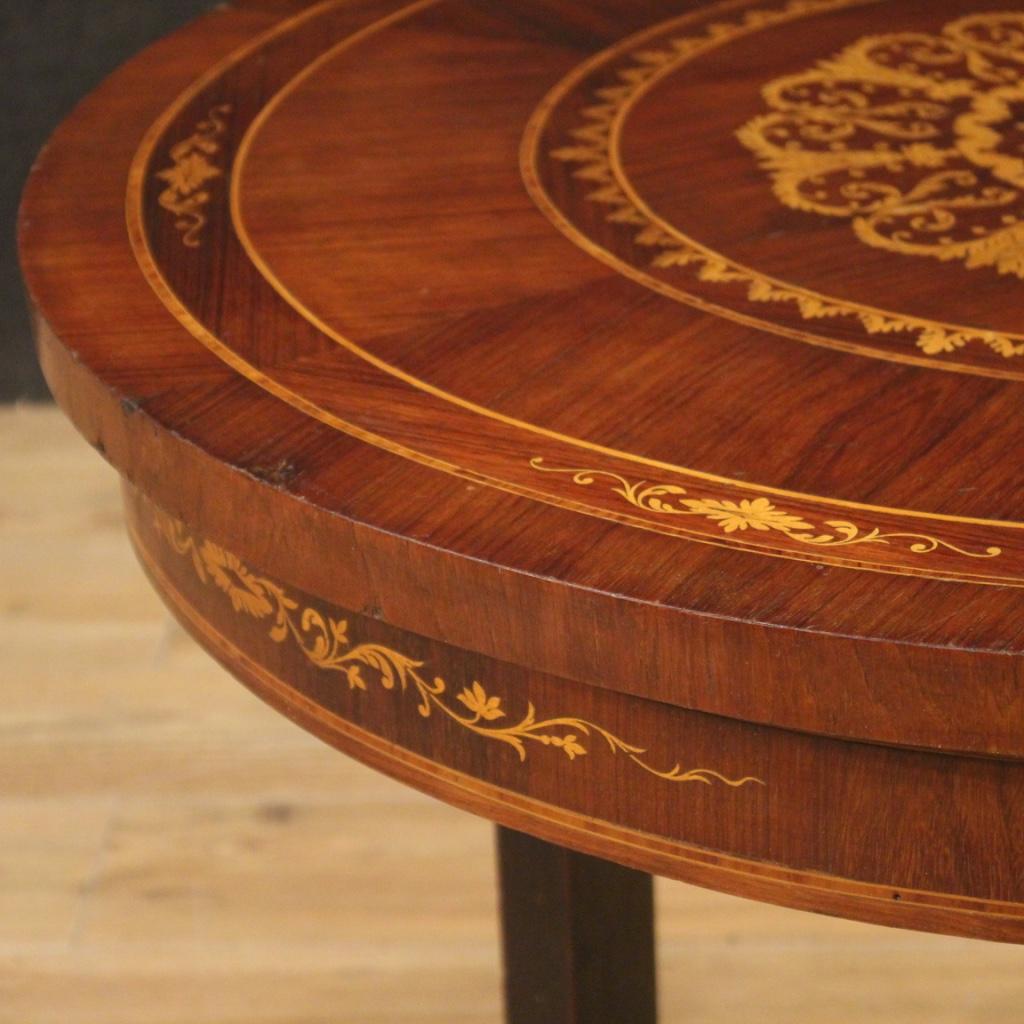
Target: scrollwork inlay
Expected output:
[758,514]
[916,139]
[326,643]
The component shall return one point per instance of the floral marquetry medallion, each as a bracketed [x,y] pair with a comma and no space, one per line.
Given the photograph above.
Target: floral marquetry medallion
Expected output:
[916,139]
[901,143]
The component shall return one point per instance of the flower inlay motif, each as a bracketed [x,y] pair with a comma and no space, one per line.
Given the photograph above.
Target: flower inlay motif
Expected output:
[326,643]
[916,139]
[756,514]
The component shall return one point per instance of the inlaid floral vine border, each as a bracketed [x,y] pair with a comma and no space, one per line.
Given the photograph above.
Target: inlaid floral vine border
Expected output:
[593,149]
[756,514]
[325,642]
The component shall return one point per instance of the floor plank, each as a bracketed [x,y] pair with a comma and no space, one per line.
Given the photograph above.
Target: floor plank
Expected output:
[172,852]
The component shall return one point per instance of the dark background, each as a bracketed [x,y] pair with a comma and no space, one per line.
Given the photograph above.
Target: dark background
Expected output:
[52,53]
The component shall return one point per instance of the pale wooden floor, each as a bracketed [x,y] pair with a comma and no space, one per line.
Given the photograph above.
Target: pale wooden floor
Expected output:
[172,852]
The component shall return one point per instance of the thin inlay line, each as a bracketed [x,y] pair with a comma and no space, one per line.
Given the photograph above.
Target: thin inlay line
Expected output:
[760,545]
[247,243]
[160,285]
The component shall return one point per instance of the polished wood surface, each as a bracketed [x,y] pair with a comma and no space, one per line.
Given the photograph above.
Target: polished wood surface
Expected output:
[600,415]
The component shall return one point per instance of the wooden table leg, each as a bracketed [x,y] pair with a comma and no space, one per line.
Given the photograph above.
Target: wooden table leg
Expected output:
[578,935]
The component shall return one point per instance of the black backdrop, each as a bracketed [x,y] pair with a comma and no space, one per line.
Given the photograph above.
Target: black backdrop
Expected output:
[52,52]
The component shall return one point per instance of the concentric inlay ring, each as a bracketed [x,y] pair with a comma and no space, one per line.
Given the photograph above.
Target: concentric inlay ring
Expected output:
[524,458]
[906,134]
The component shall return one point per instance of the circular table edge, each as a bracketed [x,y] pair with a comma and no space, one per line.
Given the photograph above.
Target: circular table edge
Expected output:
[96,410]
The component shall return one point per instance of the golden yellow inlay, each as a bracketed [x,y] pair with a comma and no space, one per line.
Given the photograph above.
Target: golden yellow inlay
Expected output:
[185,194]
[917,139]
[325,642]
[752,514]
[937,99]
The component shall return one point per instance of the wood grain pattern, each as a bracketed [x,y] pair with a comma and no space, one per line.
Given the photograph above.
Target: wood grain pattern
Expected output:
[566,919]
[438,316]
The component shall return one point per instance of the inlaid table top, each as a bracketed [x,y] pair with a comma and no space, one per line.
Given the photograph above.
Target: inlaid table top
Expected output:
[606,415]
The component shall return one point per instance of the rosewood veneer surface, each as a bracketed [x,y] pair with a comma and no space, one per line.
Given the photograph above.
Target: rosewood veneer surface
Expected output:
[602,415]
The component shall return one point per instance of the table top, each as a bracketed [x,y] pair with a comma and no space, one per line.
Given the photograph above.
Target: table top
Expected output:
[597,414]
[672,348]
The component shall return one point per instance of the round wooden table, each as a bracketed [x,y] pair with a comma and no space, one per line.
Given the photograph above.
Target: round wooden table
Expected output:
[603,415]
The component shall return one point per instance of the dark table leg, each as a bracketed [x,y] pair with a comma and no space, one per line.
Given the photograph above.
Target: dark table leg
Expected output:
[578,936]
